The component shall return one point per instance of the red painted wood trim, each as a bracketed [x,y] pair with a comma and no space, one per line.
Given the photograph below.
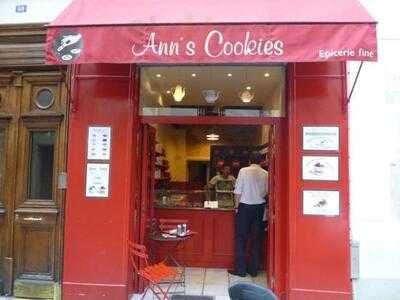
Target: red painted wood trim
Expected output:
[112,77]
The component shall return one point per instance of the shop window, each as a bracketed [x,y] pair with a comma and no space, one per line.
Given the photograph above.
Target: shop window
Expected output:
[41,165]
[198,164]
[251,91]
[2,156]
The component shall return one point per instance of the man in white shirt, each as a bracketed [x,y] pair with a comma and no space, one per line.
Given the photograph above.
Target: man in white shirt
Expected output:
[251,189]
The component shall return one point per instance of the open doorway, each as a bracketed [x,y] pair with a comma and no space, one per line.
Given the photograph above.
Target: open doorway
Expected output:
[201,123]
[194,177]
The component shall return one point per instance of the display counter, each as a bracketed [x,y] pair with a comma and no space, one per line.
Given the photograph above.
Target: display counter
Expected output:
[213,244]
[193,199]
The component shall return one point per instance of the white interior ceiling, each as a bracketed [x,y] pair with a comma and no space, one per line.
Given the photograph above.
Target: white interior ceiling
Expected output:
[156,81]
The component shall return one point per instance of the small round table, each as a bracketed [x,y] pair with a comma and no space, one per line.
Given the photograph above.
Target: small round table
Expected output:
[177,242]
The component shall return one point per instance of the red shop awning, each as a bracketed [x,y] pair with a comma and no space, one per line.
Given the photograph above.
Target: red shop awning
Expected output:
[211,31]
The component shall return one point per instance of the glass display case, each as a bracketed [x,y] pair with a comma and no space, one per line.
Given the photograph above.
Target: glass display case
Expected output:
[194,199]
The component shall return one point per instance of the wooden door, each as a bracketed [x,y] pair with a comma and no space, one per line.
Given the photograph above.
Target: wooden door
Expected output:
[7,173]
[144,209]
[33,140]
[271,209]
[148,181]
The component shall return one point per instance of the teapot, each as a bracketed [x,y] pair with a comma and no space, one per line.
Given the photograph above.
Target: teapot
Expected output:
[211,95]
[246,96]
[178,93]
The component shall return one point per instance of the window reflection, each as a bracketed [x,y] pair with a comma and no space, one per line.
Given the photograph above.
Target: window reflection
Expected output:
[250,91]
[41,165]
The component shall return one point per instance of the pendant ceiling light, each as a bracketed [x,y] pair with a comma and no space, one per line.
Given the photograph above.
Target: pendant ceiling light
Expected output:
[178,93]
[212,137]
[245,95]
[211,95]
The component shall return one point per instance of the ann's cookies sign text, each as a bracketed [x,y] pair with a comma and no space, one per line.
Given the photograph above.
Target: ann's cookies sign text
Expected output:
[214,45]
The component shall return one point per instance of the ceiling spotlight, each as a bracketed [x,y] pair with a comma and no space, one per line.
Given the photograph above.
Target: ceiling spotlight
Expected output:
[248,88]
[158,75]
[194,74]
[266,75]
[229,74]
[168,92]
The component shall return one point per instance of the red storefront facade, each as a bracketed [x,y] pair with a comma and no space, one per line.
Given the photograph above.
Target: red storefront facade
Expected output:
[309,255]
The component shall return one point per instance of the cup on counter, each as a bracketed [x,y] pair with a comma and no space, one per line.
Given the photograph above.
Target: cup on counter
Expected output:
[179,230]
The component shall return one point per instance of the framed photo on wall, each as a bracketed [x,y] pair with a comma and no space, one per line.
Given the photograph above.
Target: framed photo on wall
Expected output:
[99,143]
[321,138]
[97,180]
[321,203]
[325,168]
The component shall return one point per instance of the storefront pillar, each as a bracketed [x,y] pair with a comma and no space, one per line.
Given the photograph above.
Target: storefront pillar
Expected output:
[97,229]
[319,258]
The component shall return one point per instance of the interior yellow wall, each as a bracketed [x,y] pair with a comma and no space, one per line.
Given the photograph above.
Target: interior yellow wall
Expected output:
[174,143]
[197,151]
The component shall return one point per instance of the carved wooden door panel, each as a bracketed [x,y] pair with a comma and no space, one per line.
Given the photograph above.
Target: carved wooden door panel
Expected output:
[7,173]
[35,206]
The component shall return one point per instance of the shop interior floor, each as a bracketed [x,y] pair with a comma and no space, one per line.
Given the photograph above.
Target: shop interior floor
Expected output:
[212,282]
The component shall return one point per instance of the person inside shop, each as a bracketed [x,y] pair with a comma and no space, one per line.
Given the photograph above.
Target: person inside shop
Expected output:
[225,175]
[251,190]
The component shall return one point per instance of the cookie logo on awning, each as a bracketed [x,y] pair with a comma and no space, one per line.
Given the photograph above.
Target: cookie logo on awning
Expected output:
[68,46]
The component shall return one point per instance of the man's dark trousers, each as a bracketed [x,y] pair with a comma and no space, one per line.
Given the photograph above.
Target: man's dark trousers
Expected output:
[249,220]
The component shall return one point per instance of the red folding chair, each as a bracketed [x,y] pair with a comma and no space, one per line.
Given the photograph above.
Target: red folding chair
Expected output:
[155,274]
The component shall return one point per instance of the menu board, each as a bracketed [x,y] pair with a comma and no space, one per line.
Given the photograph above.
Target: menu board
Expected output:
[97,180]
[99,143]
[321,168]
[321,138]
[325,203]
